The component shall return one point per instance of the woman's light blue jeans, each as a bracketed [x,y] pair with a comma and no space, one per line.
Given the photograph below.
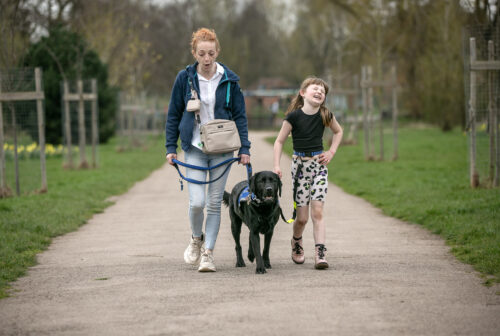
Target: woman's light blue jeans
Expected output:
[199,196]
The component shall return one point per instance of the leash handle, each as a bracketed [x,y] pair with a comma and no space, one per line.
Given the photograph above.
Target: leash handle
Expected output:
[249,172]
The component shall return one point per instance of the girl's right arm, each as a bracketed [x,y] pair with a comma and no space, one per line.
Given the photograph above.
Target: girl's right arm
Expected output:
[286,128]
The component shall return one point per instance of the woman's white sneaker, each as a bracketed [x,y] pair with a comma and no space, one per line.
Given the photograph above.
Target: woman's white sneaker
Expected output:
[194,250]
[207,263]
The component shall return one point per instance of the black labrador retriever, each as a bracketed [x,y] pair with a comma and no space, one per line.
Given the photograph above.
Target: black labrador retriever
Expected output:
[256,204]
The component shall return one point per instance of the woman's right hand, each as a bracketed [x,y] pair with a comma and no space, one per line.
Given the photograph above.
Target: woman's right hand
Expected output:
[170,157]
[277,170]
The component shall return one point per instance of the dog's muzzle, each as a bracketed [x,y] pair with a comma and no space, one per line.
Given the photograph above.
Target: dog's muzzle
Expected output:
[269,194]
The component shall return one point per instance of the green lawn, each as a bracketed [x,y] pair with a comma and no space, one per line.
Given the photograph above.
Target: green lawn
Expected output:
[28,223]
[428,185]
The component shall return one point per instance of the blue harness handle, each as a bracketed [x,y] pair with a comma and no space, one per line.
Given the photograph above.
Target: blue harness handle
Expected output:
[229,162]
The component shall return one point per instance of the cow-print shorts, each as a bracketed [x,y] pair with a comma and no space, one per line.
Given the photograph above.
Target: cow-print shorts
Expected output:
[313,180]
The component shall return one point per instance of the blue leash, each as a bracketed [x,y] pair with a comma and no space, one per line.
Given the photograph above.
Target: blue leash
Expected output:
[229,162]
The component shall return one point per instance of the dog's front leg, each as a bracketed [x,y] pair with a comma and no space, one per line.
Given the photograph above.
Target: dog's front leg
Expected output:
[251,254]
[267,245]
[255,238]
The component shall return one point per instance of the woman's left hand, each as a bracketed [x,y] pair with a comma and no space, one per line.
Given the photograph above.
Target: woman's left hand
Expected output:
[244,159]
[325,157]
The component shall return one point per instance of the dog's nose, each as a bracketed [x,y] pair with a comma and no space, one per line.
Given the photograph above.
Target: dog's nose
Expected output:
[269,191]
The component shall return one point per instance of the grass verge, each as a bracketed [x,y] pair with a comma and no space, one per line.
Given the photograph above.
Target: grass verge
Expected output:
[29,222]
[428,185]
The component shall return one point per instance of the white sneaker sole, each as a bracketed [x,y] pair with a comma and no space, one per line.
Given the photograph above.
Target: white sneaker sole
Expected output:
[206,268]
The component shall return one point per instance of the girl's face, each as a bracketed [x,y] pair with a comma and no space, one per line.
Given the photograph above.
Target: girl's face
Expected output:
[314,95]
[206,53]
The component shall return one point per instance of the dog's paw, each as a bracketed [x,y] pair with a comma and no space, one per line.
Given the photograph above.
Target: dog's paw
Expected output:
[251,256]
[267,264]
[260,270]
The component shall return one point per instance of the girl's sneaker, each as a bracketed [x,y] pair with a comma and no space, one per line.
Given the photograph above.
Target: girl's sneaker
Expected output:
[297,251]
[194,250]
[320,257]
[207,263]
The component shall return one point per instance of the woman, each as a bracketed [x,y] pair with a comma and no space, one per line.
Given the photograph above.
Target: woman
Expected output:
[221,98]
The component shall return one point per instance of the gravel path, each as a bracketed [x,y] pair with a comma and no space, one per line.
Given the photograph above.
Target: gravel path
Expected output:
[123,274]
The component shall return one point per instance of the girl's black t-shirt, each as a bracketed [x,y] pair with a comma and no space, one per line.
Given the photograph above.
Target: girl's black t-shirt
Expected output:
[307,131]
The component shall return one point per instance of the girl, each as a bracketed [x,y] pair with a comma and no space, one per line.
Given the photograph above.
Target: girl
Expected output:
[306,119]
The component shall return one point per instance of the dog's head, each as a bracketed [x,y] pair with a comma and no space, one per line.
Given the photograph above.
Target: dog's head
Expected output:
[266,186]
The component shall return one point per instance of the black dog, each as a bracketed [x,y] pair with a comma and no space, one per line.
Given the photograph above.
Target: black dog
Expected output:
[259,209]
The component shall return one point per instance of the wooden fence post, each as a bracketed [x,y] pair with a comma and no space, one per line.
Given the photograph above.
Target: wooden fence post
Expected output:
[493,121]
[395,112]
[95,134]
[381,124]
[81,126]
[364,97]
[3,178]
[16,153]
[353,102]
[474,176]
[41,128]
[370,112]
[67,126]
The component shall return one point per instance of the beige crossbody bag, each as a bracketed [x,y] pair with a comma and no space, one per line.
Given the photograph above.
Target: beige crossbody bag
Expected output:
[217,136]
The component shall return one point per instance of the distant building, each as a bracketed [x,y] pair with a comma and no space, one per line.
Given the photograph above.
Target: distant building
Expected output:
[266,99]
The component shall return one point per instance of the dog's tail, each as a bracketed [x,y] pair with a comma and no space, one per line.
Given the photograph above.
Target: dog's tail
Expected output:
[225,198]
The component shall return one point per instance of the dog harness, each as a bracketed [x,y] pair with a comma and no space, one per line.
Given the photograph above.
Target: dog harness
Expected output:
[246,196]
[249,197]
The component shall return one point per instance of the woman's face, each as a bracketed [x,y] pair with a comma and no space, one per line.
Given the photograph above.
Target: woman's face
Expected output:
[206,53]
[314,94]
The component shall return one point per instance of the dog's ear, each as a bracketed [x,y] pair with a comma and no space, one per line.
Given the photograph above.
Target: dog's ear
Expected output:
[279,186]
[251,185]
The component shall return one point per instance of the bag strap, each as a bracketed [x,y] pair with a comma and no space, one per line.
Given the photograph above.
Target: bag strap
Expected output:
[228,96]
[194,95]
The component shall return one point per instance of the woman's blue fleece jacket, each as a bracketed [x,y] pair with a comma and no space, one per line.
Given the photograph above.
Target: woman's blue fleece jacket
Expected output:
[228,105]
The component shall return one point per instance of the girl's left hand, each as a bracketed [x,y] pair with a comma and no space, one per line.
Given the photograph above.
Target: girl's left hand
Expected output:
[244,159]
[325,157]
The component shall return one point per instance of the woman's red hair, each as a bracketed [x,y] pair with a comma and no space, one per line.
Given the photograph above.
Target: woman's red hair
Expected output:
[204,34]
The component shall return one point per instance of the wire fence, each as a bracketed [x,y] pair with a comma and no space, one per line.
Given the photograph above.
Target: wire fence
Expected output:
[380,112]
[138,118]
[80,123]
[482,92]
[344,100]
[22,142]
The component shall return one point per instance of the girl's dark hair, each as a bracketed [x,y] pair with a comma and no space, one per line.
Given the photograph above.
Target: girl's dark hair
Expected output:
[298,101]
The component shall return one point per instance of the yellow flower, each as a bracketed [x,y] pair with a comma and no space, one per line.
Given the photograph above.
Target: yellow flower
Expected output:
[31,148]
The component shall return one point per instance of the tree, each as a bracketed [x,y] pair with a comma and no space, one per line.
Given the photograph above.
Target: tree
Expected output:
[116,29]
[250,47]
[15,32]
[58,54]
